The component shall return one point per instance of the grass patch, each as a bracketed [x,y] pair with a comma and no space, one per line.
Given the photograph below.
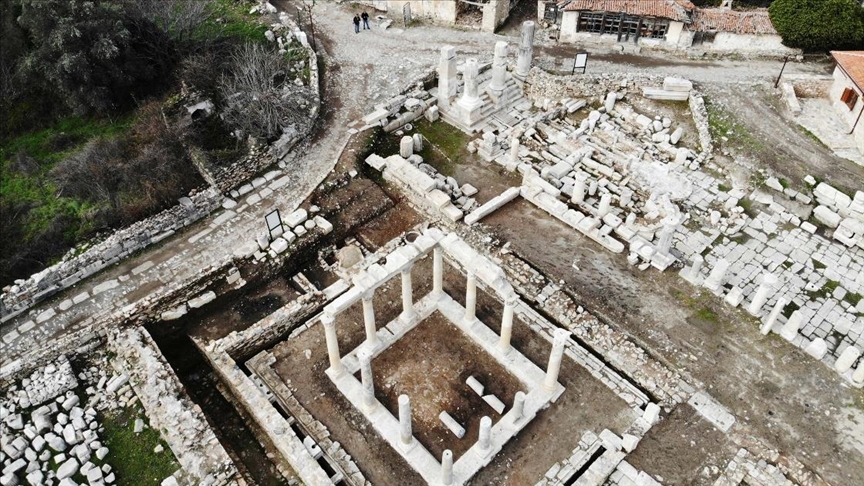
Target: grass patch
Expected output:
[748,207]
[818,265]
[789,309]
[230,19]
[706,314]
[812,136]
[723,124]
[825,291]
[132,458]
[723,187]
[853,298]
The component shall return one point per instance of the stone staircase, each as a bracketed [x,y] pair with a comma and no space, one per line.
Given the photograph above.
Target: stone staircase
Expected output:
[510,96]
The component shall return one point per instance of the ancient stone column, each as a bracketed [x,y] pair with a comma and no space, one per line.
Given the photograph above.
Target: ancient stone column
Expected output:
[609,104]
[446,75]
[514,150]
[605,202]
[405,434]
[526,50]
[470,297]
[470,97]
[665,242]
[762,293]
[507,325]
[555,358]
[369,318]
[579,188]
[518,407]
[407,296]
[697,266]
[847,359]
[790,329]
[365,358]
[437,272]
[447,468]
[329,323]
[717,276]
[499,67]
[485,434]
[772,317]
[626,197]
[406,147]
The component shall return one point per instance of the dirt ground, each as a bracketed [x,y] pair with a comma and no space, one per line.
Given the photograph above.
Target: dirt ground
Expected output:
[585,405]
[781,145]
[776,392]
[660,450]
[430,364]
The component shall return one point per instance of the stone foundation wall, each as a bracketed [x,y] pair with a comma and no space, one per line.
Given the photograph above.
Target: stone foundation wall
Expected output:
[180,421]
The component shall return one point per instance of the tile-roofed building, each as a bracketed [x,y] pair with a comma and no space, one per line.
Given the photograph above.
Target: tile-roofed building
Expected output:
[852,63]
[679,10]
[847,92]
[666,25]
[724,20]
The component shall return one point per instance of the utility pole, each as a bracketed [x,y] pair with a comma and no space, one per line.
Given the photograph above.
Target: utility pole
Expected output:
[785,60]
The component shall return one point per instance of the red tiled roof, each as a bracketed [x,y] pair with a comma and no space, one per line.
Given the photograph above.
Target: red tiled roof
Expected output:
[749,22]
[670,9]
[852,63]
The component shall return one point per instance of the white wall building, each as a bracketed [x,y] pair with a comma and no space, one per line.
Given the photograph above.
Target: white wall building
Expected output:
[847,92]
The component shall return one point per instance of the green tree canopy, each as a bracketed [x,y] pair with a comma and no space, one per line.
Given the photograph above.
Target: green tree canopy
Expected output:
[87,52]
[819,25]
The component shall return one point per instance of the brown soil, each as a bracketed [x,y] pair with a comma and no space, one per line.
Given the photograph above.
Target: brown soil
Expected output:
[775,390]
[659,452]
[585,405]
[430,364]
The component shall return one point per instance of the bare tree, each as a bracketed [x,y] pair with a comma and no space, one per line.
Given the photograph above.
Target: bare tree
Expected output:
[261,99]
[178,18]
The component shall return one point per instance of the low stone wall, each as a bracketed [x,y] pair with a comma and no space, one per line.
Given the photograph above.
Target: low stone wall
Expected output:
[541,85]
[113,249]
[180,421]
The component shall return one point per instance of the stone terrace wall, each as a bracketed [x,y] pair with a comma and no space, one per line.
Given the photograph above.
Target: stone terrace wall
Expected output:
[180,421]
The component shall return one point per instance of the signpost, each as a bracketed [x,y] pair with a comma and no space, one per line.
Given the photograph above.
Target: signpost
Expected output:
[550,12]
[406,14]
[274,222]
[580,62]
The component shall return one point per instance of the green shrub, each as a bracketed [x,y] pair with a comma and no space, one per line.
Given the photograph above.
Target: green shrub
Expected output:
[819,25]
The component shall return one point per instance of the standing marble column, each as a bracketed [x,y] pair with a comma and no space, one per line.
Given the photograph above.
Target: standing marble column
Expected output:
[772,317]
[526,50]
[790,329]
[762,293]
[555,358]
[446,75]
[579,188]
[365,358]
[437,272]
[470,297]
[329,323]
[665,242]
[447,468]
[507,325]
[405,433]
[717,276]
[470,97]
[369,318]
[518,407]
[407,296]
[605,203]
[484,440]
[697,266]
[514,150]
[499,68]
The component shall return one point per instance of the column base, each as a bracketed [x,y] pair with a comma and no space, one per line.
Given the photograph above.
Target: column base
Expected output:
[409,446]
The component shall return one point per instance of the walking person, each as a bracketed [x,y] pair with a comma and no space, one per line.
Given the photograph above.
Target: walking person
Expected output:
[356,24]
[365,17]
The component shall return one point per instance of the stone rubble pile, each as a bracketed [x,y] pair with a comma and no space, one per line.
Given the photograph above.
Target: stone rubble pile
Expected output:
[49,435]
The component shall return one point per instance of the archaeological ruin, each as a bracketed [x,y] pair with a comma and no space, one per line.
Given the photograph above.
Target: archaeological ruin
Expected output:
[484,269]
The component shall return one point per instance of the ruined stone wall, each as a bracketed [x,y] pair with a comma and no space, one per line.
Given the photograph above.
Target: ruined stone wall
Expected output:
[541,85]
[113,249]
[170,410]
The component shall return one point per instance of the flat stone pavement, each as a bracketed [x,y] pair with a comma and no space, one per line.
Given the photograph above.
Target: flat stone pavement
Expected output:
[361,70]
